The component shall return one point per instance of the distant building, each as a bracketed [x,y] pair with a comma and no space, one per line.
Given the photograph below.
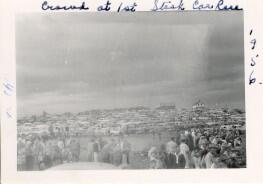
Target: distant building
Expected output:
[166,106]
[198,106]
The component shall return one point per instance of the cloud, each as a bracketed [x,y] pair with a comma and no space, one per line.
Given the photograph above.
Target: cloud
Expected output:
[84,61]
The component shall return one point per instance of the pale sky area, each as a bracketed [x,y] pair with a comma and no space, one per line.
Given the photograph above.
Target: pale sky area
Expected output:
[72,62]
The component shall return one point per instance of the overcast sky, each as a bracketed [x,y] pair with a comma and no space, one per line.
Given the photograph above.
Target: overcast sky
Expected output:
[79,61]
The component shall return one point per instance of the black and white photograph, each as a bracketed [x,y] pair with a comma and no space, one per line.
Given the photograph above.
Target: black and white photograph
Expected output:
[163,90]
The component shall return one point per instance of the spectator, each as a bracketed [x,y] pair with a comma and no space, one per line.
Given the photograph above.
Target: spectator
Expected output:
[29,156]
[125,148]
[180,162]
[75,150]
[184,149]
[210,156]
[170,160]
[21,154]
[154,157]
[196,158]
[95,151]
[117,155]
[106,151]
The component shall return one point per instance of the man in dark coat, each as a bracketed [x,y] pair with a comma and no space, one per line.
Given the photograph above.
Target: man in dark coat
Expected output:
[75,149]
[180,159]
[170,160]
[190,141]
[175,160]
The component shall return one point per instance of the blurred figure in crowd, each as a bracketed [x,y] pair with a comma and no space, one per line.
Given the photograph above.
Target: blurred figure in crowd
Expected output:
[185,150]
[29,155]
[125,147]
[154,157]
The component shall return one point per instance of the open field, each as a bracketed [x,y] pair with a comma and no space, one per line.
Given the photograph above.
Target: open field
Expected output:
[140,145]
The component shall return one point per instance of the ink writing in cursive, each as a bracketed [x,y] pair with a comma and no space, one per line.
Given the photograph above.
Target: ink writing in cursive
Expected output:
[220,5]
[127,8]
[167,5]
[200,6]
[105,7]
[46,6]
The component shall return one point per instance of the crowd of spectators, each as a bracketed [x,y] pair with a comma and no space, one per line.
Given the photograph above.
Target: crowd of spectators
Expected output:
[187,148]
[43,152]
[201,148]
[39,153]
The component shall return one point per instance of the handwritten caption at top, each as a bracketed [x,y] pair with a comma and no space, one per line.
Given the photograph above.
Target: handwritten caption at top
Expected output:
[157,5]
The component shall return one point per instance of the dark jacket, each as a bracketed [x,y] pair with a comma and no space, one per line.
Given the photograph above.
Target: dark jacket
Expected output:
[171,161]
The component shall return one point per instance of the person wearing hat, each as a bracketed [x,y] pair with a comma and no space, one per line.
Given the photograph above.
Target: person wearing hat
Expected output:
[203,153]
[170,146]
[184,149]
[196,158]
[225,147]
[235,158]
[215,140]
[170,150]
[180,160]
[196,139]
[203,142]
[210,156]
[155,161]
[163,155]
[237,142]
[218,163]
